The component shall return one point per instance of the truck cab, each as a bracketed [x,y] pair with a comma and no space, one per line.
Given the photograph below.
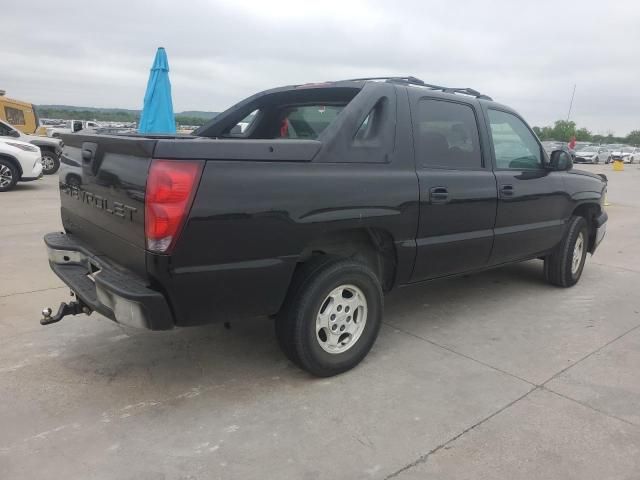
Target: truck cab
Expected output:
[71,126]
[20,114]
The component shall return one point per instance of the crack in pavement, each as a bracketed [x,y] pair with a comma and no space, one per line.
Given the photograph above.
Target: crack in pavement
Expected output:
[606,414]
[423,458]
[617,267]
[468,357]
[32,291]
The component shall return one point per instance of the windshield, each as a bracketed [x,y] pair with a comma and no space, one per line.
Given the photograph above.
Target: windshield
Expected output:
[588,149]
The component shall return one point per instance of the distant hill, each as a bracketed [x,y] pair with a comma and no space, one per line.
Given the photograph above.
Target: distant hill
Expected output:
[68,112]
[198,114]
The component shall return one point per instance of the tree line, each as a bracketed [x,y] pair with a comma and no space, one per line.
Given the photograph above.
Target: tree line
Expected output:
[110,116]
[564,130]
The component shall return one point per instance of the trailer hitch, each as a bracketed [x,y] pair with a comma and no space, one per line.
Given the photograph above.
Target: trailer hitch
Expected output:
[72,308]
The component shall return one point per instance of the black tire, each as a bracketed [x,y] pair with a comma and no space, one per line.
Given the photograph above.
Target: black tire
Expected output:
[7,172]
[608,161]
[50,162]
[296,323]
[558,265]
[73,180]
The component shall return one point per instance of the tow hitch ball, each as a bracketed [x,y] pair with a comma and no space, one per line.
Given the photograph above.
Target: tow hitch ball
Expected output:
[72,308]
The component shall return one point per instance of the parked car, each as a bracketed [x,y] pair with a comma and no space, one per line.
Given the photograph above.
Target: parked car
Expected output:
[50,148]
[19,162]
[593,154]
[634,155]
[71,126]
[333,194]
[551,146]
[20,114]
[627,154]
[616,151]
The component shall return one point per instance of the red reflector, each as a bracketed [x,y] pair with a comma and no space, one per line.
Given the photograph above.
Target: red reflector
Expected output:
[171,186]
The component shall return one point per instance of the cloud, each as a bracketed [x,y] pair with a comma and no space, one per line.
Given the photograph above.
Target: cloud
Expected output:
[524,54]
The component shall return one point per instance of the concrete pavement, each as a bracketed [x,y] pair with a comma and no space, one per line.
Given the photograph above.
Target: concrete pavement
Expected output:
[495,376]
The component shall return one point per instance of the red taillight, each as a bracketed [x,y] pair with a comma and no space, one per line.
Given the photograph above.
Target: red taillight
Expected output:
[171,186]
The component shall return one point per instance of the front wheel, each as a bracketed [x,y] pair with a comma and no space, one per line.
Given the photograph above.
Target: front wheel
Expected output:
[331,317]
[564,266]
[8,175]
[50,162]
[608,160]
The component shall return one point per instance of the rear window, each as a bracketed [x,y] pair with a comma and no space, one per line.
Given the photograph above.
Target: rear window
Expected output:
[300,113]
[308,121]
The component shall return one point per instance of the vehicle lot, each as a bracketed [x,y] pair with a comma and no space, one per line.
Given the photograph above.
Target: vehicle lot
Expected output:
[494,375]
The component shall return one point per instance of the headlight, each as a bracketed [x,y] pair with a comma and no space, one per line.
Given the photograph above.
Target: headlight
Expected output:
[26,148]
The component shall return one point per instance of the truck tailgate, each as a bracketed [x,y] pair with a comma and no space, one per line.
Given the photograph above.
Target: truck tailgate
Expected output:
[102,195]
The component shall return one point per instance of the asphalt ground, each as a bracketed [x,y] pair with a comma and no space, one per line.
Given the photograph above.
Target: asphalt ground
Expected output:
[490,376]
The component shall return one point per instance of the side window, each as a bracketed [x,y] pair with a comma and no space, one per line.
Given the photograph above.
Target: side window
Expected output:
[372,124]
[241,128]
[5,131]
[447,136]
[515,146]
[14,116]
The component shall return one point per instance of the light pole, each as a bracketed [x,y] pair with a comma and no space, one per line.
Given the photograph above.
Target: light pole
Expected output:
[571,103]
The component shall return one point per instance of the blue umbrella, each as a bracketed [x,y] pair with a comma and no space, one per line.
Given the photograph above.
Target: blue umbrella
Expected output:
[157,112]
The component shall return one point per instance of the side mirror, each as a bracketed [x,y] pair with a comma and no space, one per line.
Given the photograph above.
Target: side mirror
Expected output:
[15,134]
[560,161]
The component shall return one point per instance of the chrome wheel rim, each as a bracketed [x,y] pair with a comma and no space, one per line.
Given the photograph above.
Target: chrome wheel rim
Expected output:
[6,176]
[48,163]
[341,319]
[578,250]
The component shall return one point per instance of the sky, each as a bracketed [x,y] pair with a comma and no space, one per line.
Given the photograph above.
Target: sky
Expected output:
[526,54]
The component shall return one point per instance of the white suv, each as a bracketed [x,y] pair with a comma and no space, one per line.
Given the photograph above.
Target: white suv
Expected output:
[50,148]
[19,162]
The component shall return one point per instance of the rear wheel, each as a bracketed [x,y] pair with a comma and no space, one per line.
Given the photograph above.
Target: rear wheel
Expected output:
[564,266]
[331,317]
[50,162]
[73,180]
[608,160]
[8,175]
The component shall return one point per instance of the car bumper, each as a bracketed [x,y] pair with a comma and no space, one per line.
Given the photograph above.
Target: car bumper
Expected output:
[601,230]
[107,288]
[34,174]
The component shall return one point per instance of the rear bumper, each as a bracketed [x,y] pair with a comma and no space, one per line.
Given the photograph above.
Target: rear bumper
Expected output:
[106,288]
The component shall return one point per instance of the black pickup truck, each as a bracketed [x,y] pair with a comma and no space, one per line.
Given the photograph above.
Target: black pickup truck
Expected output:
[306,203]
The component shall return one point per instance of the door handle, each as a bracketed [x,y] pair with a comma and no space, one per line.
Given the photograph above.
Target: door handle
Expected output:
[439,195]
[506,190]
